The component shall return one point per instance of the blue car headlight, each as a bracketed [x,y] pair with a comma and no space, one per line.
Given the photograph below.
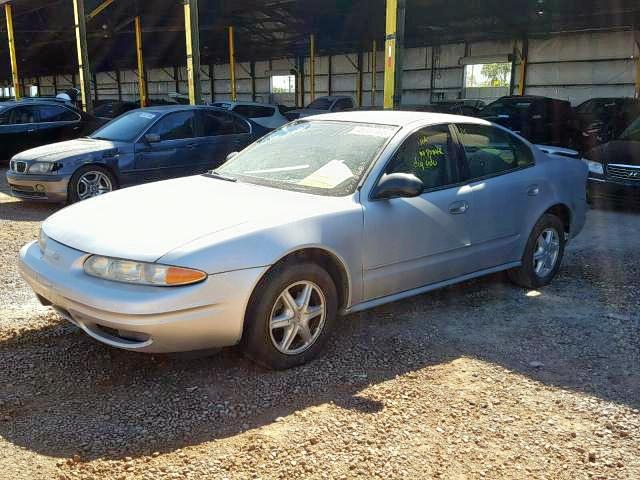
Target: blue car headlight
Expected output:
[44,168]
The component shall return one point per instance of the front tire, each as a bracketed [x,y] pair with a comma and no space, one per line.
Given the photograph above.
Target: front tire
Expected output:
[543,254]
[90,181]
[290,316]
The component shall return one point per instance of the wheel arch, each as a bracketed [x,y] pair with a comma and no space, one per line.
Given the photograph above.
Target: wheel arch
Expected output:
[93,163]
[563,212]
[325,258]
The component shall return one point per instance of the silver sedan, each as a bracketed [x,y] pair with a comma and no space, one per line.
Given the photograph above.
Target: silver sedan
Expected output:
[328,215]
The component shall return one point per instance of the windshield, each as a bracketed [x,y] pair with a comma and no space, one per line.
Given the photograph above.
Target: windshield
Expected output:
[126,128]
[320,104]
[506,107]
[632,133]
[320,157]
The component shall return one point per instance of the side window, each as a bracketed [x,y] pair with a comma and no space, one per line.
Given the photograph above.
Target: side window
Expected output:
[217,123]
[491,151]
[429,154]
[244,110]
[175,126]
[263,112]
[538,110]
[241,126]
[55,113]
[22,115]
[254,111]
[343,104]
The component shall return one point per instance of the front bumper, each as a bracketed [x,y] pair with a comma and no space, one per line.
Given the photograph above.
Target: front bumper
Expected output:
[44,188]
[623,193]
[140,318]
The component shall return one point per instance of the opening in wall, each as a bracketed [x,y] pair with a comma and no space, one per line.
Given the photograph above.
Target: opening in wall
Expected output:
[487,81]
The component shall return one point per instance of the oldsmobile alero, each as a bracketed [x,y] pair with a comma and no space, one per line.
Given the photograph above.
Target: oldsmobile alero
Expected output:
[328,215]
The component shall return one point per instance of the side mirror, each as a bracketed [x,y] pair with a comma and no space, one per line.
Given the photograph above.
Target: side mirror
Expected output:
[232,155]
[151,138]
[398,185]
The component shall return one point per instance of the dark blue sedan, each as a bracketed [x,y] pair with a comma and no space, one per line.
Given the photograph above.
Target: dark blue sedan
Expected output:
[143,145]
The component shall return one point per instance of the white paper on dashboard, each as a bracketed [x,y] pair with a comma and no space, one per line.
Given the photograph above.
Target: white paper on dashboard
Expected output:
[329,176]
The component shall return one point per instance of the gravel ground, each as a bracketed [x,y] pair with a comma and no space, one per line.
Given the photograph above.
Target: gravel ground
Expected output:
[480,380]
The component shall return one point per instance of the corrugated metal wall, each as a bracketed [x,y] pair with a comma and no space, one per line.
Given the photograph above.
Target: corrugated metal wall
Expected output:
[574,67]
[577,67]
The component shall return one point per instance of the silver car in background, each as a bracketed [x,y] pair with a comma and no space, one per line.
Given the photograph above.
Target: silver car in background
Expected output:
[328,215]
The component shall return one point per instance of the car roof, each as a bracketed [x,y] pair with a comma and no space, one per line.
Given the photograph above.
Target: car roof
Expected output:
[335,97]
[35,101]
[255,104]
[178,107]
[531,97]
[396,118]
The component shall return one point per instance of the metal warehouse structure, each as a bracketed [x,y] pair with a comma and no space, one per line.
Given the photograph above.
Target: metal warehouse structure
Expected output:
[398,51]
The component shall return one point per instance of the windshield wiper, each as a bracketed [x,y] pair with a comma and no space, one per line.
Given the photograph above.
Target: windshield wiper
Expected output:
[220,176]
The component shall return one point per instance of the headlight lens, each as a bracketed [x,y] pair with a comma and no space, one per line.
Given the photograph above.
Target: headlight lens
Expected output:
[42,240]
[595,167]
[141,273]
[44,168]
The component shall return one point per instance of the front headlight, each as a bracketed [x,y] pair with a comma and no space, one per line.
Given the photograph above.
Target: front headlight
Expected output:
[141,273]
[42,240]
[595,167]
[44,168]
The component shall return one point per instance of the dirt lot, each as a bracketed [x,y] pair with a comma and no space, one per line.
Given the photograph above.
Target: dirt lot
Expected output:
[482,380]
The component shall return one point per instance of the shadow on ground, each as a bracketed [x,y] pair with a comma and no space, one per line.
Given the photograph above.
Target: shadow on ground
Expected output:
[67,394]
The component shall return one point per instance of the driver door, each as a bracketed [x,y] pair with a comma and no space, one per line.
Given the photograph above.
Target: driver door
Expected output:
[413,242]
[175,155]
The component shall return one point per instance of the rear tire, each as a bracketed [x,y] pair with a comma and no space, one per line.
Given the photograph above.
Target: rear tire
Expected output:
[290,316]
[543,254]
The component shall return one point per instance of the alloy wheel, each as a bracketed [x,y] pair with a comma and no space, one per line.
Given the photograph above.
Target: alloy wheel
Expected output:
[547,251]
[92,184]
[297,318]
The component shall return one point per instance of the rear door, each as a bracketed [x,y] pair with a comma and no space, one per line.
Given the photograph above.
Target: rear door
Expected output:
[220,134]
[504,186]
[18,130]
[57,123]
[175,155]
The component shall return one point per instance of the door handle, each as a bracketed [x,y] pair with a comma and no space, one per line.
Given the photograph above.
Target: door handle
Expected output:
[458,208]
[191,145]
[533,190]
[31,130]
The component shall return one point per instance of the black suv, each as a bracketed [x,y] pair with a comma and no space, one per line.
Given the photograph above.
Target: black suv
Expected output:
[31,123]
[540,120]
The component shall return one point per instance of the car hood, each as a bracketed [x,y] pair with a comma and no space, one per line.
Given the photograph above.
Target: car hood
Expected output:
[618,151]
[145,223]
[71,148]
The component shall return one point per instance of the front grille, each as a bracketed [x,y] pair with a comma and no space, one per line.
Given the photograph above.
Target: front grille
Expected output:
[18,167]
[623,172]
